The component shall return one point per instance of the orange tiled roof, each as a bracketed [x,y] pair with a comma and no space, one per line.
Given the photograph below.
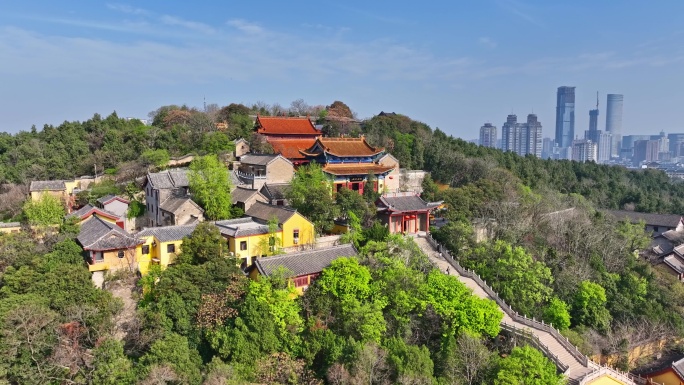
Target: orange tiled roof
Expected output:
[344,147]
[290,148]
[355,168]
[281,125]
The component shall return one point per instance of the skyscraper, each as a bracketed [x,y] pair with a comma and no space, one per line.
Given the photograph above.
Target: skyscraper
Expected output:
[565,116]
[614,121]
[488,135]
[593,123]
[522,138]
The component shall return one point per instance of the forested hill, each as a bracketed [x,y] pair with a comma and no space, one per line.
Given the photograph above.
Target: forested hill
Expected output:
[126,147]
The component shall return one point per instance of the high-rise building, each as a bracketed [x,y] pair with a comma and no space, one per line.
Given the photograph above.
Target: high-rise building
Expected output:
[510,135]
[645,151]
[488,135]
[675,144]
[605,144]
[592,133]
[565,116]
[522,138]
[614,120]
[547,148]
[584,150]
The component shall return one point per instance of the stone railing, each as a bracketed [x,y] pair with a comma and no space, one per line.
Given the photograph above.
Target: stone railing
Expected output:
[597,371]
[534,341]
[621,376]
[249,176]
[531,322]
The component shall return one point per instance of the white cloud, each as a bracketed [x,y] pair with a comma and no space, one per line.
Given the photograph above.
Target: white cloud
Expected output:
[487,42]
[192,25]
[125,8]
[245,26]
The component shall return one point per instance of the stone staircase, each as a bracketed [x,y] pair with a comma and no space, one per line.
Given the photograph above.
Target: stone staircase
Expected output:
[576,366]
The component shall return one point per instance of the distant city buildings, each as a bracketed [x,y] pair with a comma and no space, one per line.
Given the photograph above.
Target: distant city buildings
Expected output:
[584,150]
[601,139]
[565,117]
[645,151]
[614,121]
[522,138]
[488,135]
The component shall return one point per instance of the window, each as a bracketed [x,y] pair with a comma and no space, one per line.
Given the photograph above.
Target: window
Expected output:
[98,256]
[145,249]
[243,245]
[295,235]
[301,281]
[120,254]
[171,248]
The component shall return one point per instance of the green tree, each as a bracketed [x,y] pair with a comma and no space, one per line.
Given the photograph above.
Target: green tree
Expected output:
[347,289]
[110,365]
[589,306]
[526,365]
[355,233]
[173,350]
[460,309]
[158,158]
[556,313]
[210,186]
[513,274]
[46,211]
[310,194]
[204,244]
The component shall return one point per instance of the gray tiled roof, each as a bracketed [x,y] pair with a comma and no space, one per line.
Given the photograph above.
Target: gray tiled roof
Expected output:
[274,190]
[4,225]
[171,204]
[242,194]
[665,220]
[50,185]
[168,233]
[265,212]
[258,159]
[404,202]
[96,234]
[242,227]
[87,208]
[169,179]
[108,198]
[678,367]
[675,263]
[305,262]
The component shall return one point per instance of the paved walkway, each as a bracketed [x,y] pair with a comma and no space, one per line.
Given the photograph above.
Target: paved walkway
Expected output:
[575,368]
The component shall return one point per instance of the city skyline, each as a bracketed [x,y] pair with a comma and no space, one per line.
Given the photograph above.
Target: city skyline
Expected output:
[438,64]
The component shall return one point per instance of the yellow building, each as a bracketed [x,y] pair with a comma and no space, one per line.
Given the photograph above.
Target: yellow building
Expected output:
[61,189]
[297,230]
[302,267]
[248,239]
[106,245]
[87,211]
[671,375]
[160,245]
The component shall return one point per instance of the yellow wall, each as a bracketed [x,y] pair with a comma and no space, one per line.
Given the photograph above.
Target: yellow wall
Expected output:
[667,378]
[113,262]
[605,380]
[157,255]
[253,246]
[306,231]
[36,195]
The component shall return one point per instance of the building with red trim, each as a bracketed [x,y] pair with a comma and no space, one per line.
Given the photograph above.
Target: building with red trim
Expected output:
[349,161]
[283,127]
[405,212]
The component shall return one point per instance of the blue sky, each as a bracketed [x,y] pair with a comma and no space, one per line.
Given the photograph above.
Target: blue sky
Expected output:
[451,64]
